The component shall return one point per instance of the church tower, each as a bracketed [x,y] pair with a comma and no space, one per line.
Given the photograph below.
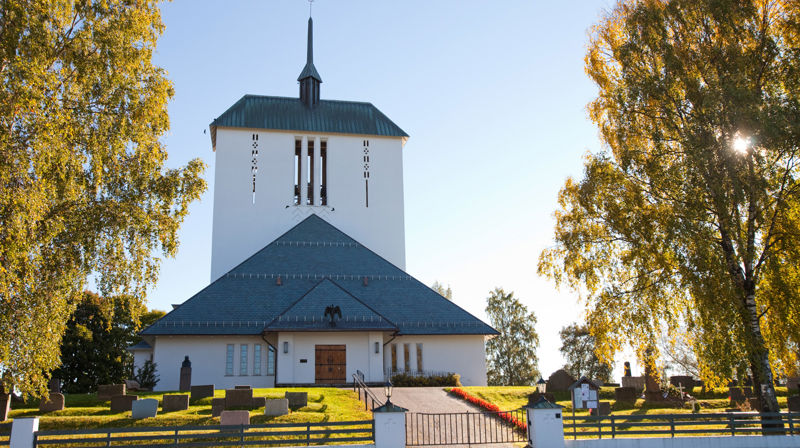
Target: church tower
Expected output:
[279,160]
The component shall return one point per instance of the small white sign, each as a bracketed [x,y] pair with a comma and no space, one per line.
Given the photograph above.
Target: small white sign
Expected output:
[585,392]
[591,404]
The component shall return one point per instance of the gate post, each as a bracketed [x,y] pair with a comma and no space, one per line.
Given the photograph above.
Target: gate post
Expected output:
[23,432]
[545,425]
[390,426]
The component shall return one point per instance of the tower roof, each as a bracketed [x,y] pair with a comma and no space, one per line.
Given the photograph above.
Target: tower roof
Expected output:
[309,71]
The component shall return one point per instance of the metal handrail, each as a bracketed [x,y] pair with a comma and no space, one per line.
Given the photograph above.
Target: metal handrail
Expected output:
[358,384]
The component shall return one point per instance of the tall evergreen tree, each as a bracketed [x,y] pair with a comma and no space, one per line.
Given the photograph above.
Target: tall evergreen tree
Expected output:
[511,356]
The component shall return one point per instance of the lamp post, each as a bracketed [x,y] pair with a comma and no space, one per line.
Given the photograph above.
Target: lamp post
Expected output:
[387,389]
[541,386]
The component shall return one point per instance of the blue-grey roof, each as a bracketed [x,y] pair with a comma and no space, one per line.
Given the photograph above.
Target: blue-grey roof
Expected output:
[142,345]
[318,266]
[290,114]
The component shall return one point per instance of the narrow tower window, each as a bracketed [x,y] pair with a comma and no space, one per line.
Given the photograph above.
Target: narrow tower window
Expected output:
[257,359]
[229,360]
[310,198]
[406,358]
[323,175]
[394,357]
[297,170]
[243,360]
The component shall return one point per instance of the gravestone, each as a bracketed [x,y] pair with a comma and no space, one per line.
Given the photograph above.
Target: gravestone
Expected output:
[682,380]
[738,395]
[204,391]
[603,408]
[228,418]
[792,382]
[755,404]
[297,399]
[186,375]
[107,391]
[145,408]
[280,406]
[217,406]
[5,406]
[172,403]
[559,381]
[259,402]
[238,398]
[794,403]
[242,387]
[132,385]
[54,385]
[626,394]
[53,403]
[636,382]
[627,368]
[122,403]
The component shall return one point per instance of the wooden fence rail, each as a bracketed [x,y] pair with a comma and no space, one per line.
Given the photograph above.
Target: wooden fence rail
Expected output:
[674,425]
[274,434]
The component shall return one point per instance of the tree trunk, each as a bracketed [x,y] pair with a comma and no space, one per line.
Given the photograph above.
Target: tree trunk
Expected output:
[763,385]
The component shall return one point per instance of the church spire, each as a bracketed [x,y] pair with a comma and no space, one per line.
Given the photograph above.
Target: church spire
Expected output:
[309,78]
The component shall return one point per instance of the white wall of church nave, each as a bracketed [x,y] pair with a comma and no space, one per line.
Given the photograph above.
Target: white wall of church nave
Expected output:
[241,226]
[360,355]
[208,356]
[461,354]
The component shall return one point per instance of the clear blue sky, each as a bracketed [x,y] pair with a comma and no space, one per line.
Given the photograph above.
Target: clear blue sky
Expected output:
[493,95]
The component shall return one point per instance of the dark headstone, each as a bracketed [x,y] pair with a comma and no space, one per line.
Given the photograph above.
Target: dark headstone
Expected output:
[534,397]
[559,381]
[738,395]
[626,394]
[682,380]
[106,391]
[792,382]
[794,403]
[186,375]
[242,387]
[54,403]
[5,406]
[238,398]
[217,406]
[199,392]
[603,408]
[654,395]
[259,402]
[171,403]
[755,404]
[627,368]
[122,403]
[235,418]
[132,385]
[297,399]
[54,386]
[636,382]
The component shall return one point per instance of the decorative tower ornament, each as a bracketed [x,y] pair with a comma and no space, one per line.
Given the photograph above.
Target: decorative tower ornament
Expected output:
[309,78]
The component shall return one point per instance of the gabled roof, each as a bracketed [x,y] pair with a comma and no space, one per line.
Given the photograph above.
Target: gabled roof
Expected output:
[290,114]
[248,299]
[308,313]
[141,345]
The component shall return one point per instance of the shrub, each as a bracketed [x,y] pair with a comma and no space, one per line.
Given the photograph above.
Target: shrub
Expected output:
[404,380]
[146,375]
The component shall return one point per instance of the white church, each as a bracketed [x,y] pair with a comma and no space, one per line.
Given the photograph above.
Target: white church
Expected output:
[308,282]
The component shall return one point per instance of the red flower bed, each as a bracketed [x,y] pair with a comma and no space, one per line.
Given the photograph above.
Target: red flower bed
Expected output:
[483,404]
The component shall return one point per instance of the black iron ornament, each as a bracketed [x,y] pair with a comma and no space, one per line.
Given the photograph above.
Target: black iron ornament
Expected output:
[331,312]
[254,164]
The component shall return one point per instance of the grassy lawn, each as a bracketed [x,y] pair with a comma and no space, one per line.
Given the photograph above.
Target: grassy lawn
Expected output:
[86,411]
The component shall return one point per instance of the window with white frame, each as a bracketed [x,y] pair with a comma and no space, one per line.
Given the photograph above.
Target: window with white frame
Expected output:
[229,360]
[257,359]
[243,360]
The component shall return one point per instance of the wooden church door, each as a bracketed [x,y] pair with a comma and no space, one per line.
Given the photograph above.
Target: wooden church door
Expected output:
[330,364]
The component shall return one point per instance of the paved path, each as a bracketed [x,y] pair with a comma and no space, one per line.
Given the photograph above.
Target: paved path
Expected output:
[434,400]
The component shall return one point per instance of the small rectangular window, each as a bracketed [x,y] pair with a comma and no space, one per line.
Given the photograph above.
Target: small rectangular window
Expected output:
[394,357]
[270,360]
[298,168]
[243,360]
[406,358]
[310,156]
[419,358]
[323,175]
[229,360]
[257,359]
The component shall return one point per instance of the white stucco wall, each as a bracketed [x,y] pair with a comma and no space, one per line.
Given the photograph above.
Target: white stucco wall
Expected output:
[139,358]
[360,355]
[208,357]
[242,227]
[461,354]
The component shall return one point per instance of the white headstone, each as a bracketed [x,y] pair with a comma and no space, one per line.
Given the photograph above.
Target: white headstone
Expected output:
[145,408]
